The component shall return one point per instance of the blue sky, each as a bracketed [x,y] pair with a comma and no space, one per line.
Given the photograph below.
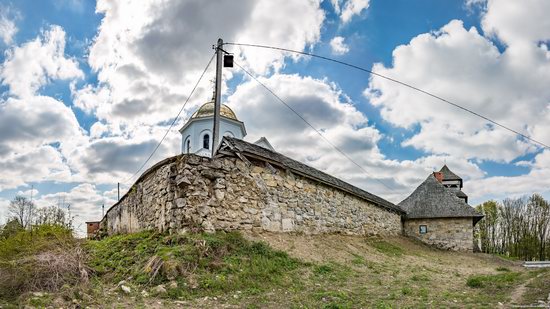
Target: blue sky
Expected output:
[105,78]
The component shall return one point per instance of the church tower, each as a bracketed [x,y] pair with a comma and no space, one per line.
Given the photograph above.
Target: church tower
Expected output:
[453,182]
[197,136]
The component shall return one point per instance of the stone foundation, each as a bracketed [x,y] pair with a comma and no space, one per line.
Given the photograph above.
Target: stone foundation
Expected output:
[444,233]
[188,191]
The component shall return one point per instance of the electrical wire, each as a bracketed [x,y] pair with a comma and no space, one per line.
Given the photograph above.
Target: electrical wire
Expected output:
[397,82]
[311,126]
[175,119]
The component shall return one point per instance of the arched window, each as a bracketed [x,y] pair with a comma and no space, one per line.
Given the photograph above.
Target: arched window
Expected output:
[206,141]
[188,146]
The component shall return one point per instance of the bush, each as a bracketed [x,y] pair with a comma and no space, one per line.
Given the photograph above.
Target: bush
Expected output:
[42,260]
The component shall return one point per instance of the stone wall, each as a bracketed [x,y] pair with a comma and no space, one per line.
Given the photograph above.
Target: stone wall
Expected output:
[444,233]
[187,191]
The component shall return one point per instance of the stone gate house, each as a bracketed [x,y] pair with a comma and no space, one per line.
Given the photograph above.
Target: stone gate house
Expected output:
[249,186]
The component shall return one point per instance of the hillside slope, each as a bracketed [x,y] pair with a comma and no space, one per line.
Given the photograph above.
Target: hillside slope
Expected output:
[227,270]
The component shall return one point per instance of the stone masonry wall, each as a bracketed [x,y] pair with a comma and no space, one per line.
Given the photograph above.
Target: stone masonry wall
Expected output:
[445,233]
[187,191]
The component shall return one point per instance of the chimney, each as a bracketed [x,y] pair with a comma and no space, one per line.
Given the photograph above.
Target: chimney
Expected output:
[438,176]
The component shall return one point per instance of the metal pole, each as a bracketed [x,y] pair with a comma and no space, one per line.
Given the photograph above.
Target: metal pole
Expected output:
[102,210]
[218,96]
[118,191]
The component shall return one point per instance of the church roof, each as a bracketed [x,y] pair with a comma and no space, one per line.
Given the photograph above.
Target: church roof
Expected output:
[448,174]
[432,200]
[207,110]
[254,151]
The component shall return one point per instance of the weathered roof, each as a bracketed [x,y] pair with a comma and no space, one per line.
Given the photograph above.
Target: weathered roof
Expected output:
[251,150]
[459,193]
[432,200]
[448,174]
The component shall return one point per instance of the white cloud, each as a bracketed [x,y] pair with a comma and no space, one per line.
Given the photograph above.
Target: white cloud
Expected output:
[8,29]
[348,8]
[44,163]
[516,22]
[324,105]
[85,202]
[33,64]
[4,210]
[466,68]
[338,46]
[26,124]
[167,43]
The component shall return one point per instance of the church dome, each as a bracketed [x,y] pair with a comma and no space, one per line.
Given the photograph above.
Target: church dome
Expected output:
[207,110]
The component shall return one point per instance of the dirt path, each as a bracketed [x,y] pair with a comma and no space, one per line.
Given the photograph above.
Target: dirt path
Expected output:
[517,294]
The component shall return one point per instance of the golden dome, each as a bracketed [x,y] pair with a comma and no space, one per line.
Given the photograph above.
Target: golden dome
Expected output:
[207,109]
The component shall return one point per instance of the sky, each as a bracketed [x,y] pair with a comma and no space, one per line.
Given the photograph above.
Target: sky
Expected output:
[87,89]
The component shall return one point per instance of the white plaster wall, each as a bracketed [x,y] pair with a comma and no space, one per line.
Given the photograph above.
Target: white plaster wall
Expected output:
[199,127]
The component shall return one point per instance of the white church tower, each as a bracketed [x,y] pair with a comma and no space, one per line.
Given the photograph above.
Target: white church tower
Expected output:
[197,136]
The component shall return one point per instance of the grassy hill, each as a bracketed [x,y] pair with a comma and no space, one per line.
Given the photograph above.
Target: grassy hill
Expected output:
[273,271]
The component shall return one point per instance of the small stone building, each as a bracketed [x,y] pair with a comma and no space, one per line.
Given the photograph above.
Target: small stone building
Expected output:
[437,213]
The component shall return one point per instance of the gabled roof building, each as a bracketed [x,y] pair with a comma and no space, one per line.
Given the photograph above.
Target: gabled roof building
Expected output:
[437,213]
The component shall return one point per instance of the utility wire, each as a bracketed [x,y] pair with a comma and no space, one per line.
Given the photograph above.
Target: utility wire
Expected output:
[310,125]
[398,82]
[175,119]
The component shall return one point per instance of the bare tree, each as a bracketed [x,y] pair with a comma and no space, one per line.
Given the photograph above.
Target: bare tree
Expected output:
[51,215]
[22,209]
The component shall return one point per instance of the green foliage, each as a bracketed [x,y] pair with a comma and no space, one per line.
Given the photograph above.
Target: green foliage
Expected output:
[10,229]
[201,263]
[387,248]
[515,227]
[22,243]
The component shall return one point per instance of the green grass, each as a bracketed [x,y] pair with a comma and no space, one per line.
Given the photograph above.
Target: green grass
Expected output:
[387,248]
[498,281]
[202,264]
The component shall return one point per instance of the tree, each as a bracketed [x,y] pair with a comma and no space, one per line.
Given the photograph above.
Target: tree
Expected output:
[22,209]
[51,215]
[12,227]
[541,222]
[488,227]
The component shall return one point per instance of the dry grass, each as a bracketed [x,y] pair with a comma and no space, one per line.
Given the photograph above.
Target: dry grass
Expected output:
[45,260]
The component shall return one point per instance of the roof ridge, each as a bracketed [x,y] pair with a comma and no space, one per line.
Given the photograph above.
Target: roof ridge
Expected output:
[310,172]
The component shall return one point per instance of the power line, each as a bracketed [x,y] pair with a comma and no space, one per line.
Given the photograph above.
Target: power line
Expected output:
[311,126]
[175,119]
[398,82]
